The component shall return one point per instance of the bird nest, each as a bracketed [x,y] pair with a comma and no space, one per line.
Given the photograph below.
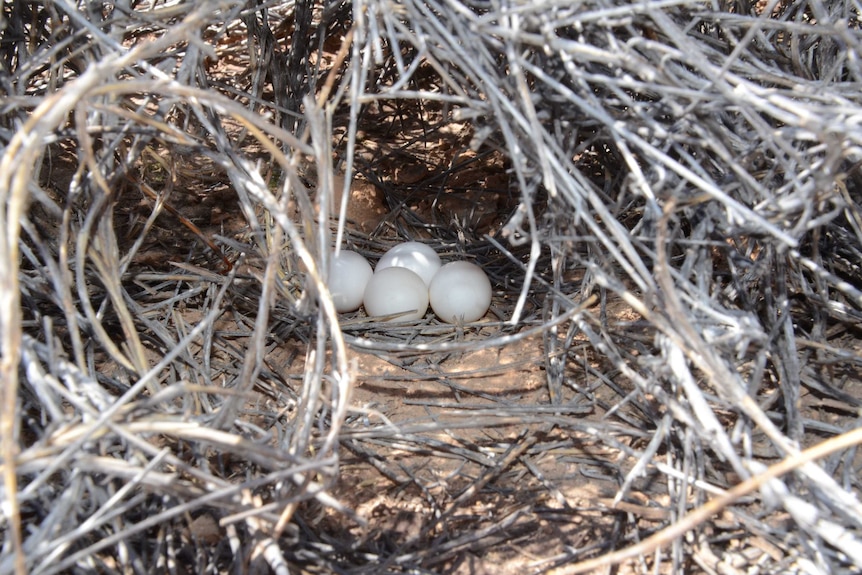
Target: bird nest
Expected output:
[665,196]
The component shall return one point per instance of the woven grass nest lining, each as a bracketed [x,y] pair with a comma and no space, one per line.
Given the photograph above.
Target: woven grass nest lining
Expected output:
[665,195]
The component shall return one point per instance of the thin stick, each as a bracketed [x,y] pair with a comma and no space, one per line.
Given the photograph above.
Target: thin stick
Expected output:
[712,507]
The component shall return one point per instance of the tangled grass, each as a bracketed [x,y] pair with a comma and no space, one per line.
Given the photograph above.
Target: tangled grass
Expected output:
[665,195]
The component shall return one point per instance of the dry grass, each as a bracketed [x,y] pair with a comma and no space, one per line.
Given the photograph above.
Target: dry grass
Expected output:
[664,194]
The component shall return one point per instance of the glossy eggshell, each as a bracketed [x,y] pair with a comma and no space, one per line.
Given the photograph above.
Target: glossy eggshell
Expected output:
[349,273]
[417,257]
[460,291]
[395,290]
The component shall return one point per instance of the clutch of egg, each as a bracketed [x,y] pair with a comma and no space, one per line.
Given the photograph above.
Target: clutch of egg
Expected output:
[408,277]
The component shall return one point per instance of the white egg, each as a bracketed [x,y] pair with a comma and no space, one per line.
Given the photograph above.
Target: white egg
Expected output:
[396,290]
[415,256]
[349,273]
[460,291]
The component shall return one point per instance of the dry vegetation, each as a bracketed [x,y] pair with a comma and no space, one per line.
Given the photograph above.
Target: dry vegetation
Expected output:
[666,196]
